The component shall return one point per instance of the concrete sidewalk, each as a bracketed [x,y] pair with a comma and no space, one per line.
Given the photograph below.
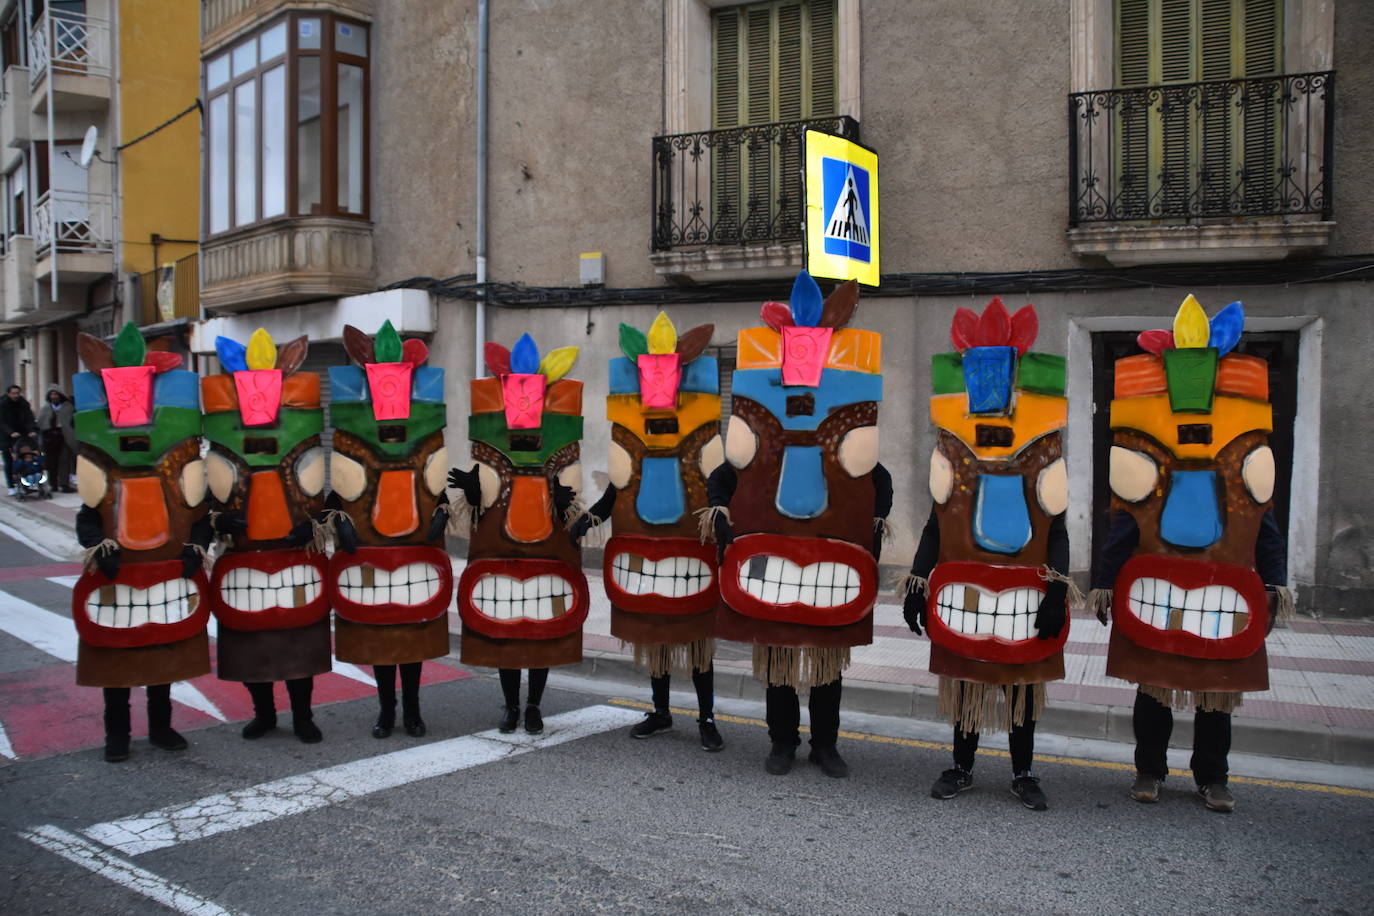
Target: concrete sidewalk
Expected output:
[1320,705]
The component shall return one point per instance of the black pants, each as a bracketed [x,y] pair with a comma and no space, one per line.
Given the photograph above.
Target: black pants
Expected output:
[1021,740]
[299,690]
[1154,723]
[510,685]
[784,714]
[117,724]
[410,691]
[703,681]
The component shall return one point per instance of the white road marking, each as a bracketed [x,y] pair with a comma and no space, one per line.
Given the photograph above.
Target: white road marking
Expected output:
[68,581]
[6,749]
[139,880]
[354,672]
[56,635]
[240,808]
[29,542]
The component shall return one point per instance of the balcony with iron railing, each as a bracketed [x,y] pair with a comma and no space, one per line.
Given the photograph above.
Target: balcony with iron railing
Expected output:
[1221,169]
[731,202]
[69,53]
[171,293]
[74,230]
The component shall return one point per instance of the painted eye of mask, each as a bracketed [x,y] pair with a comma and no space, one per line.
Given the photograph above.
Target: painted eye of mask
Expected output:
[346,476]
[1052,488]
[193,482]
[490,482]
[571,477]
[1258,472]
[619,465]
[712,455]
[740,442]
[310,471]
[1133,474]
[221,475]
[859,450]
[91,482]
[941,477]
[436,469]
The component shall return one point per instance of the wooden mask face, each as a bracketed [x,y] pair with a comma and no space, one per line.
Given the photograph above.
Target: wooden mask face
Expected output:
[998,479]
[804,440]
[524,575]
[664,407]
[389,468]
[263,421]
[139,466]
[1191,462]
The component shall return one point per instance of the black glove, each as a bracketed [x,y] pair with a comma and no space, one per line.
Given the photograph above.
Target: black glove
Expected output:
[1271,597]
[725,536]
[232,522]
[301,534]
[1053,611]
[108,563]
[345,534]
[90,531]
[468,482]
[438,522]
[563,498]
[580,528]
[914,610]
[191,561]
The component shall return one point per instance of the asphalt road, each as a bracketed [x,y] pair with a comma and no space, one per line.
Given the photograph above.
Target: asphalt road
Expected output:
[586,820]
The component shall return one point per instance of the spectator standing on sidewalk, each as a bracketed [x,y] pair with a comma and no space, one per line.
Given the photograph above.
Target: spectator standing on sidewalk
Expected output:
[16,419]
[57,426]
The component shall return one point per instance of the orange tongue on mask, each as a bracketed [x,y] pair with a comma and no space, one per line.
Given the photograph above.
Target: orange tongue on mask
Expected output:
[530,517]
[141,514]
[394,513]
[268,517]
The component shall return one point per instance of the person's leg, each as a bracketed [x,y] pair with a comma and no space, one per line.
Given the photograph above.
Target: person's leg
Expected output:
[825,728]
[510,692]
[160,731]
[302,716]
[116,723]
[1153,723]
[958,778]
[1211,750]
[534,719]
[9,467]
[410,699]
[965,749]
[782,709]
[386,700]
[660,718]
[264,710]
[1021,741]
[705,684]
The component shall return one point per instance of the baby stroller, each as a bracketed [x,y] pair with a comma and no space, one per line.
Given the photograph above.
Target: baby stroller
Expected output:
[30,474]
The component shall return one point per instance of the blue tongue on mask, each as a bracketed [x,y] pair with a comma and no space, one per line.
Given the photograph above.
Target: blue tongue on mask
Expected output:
[1001,522]
[1190,517]
[801,489]
[661,500]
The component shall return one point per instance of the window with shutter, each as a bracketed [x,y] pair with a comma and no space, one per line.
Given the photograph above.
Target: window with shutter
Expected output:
[773,62]
[1197,150]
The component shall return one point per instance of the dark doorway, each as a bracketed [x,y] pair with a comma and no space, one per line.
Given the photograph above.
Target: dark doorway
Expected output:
[1278,348]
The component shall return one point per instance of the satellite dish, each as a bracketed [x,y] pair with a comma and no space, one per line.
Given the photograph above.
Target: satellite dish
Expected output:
[88,147]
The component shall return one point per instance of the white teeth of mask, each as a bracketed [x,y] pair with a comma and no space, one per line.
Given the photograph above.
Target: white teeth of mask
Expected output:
[1211,611]
[970,610]
[671,577]
[775,580]
[245,589]
[123,606]
[540,598]
[414,583]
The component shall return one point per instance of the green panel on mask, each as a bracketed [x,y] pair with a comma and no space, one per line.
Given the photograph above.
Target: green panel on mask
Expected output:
[947,373]
[137,446]
[385,438]
[557,430]
[264,447]
[1042,373]
[1191,373]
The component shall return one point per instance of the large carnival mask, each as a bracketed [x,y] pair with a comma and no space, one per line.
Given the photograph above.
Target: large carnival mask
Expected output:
[998,479]
[266,470]
[1191,462]
[803,437]
[142,482]
[524,575]
[664,407]
[387,468]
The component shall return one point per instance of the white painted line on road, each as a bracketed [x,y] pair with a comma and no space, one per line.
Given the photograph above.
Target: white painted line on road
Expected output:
[269,801]
[56,635]
[6,749]
[354,672]
[68,581]
[139,880]
[28,541]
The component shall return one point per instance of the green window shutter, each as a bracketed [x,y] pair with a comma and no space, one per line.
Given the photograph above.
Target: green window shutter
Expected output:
[823,88]
[1133,43]
[1262,55]
[725,85]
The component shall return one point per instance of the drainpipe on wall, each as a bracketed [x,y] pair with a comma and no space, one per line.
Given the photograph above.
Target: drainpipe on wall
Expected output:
[480,329]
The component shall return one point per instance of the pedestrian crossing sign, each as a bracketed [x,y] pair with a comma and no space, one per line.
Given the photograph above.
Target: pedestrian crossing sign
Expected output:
[841,209]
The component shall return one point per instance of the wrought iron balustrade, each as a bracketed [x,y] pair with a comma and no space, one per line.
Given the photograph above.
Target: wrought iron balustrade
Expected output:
[1260,146]
[68,43]
[75,221]
[735,185]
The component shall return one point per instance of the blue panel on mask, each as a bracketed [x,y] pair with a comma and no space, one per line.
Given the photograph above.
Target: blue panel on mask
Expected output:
[801,487]
[661,500]
[1001,522]
[427,385]
[988,374]
[701,374]
[347,383]
[838,388]
[177,388]
[88,390]
[624,376]
[1190,517]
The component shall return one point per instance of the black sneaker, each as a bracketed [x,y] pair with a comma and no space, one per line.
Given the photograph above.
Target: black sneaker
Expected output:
[710,735]
[306,730]
[652,724]
[169,739]
[534,720]
[116,749]
[258,726]
[1146,788]
[1027,788]
[779,760]
[1217,797]
[951,783]
[830,761]
[415,726]
[510,717]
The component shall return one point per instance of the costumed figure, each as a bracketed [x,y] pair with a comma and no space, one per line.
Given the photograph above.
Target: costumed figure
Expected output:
[266,470]
[801,503]
[523,596]
[390,580]
[1193,571]
[664,407]
[990,578]
[139,606]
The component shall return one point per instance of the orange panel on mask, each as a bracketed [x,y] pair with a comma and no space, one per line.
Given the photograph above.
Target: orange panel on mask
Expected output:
[394,513]
[141,514]
[530,517]
[268,516]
